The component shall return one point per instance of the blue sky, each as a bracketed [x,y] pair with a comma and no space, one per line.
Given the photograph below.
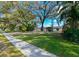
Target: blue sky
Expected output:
[48,23]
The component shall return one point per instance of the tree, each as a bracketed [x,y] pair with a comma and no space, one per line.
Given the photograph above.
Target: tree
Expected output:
[44,10]
[17,14]
[23,15]
[69,14]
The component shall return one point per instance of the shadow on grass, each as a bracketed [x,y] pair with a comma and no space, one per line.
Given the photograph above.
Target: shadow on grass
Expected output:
[10,50]
[52,43]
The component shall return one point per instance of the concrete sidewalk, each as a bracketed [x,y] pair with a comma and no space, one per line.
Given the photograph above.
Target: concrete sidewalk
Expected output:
[28,49]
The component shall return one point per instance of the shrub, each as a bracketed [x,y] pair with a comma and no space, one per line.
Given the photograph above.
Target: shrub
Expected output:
[71,35]
[7,30]
[30,27]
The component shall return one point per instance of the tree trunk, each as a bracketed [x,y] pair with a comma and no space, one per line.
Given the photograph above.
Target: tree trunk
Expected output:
[42,28]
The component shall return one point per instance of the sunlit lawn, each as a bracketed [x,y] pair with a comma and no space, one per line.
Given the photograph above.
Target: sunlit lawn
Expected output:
[52,43]
[10,50]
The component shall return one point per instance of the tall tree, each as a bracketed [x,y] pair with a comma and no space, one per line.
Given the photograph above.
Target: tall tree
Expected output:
[16,13]
[44,10]
[69,13]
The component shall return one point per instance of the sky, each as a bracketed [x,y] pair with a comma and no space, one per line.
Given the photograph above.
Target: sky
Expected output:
[48,23]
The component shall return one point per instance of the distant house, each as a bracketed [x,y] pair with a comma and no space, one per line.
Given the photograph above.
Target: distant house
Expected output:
[50,29]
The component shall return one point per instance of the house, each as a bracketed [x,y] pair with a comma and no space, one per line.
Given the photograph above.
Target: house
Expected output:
[50,29]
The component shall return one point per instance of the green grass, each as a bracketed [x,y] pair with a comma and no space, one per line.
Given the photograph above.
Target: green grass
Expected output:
[52,43]
[10,50]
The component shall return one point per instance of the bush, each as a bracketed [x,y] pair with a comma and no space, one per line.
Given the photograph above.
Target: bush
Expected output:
[71,35]
[7,30]
[30,27]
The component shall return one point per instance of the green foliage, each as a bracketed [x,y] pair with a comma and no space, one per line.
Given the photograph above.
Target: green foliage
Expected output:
[17,17]
[7,30]
[71,35]
[30,27]
[69,13]
[22,28]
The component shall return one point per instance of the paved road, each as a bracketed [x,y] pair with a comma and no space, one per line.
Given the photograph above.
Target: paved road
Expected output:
[28,49]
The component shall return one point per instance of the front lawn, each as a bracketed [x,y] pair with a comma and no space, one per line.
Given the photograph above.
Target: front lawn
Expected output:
[9,50]
[52,43]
